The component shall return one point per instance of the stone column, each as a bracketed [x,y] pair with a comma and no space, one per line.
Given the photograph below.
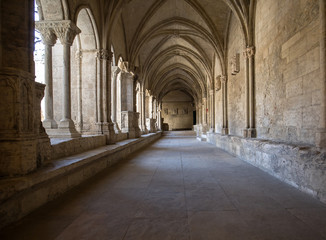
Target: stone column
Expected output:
[225,130]
[159,117]
[19,127]
[107,124]
[98,93]
[66,32]
[212,110]
[199,118]
[249,53]
[142,113]
[48,39]
[79,58]
[204,110]
[155,120]
[115,71]
[129,117]
[321,131]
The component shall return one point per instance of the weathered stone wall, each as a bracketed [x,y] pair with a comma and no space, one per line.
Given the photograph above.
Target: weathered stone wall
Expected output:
[177,110]
[287,70]
[179,115]
[236,83]
[302,167]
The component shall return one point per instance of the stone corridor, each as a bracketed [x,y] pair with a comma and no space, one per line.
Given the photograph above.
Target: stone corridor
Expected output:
[177,188]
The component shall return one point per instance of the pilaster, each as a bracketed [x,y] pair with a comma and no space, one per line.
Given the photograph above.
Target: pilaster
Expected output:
[225,130]
[249,53]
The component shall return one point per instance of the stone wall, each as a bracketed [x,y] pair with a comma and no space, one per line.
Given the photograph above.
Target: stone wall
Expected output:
[301,166]
[288,93]
[177,110]
[236,82]
[179,115]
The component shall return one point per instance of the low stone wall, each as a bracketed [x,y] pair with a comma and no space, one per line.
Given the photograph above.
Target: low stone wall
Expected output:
[21,195]
[301,166]
[66,147]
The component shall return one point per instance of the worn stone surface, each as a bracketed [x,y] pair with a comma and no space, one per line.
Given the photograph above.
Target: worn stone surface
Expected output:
[192,191]
[24,194]
[177,111]
[301,166]
[236,84]
[287,70]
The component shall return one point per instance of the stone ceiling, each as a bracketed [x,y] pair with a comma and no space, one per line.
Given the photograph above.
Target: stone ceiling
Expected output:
[176,42]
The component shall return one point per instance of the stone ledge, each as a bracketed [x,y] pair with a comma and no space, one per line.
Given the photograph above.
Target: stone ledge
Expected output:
[21,195]
[303,167]
[69,146]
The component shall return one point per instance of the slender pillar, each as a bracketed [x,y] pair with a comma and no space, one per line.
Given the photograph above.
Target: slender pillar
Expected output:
[79,59]
[142,113]
[66,32]
[250,53]
[212,110]
[225,130]
[48,39]
[159,116]
[106,121]
[115,71]
[99,96]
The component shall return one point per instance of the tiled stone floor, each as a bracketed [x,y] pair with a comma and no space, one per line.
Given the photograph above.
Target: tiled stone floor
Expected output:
[178,188]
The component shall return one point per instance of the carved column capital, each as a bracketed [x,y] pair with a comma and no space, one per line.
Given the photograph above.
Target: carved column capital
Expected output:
[249,52]
[211,92]
[48,36]
[106,54]
[65,30]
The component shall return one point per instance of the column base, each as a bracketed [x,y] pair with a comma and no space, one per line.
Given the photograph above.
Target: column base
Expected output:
[108,130]
[66,129]
[49,124]
[225,131]
[116,128]
[245,133]
[249,133]
[129,124]
[150,125]
[20,156]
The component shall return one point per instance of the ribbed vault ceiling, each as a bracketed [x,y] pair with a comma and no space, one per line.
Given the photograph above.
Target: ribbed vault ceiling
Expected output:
[175,42]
